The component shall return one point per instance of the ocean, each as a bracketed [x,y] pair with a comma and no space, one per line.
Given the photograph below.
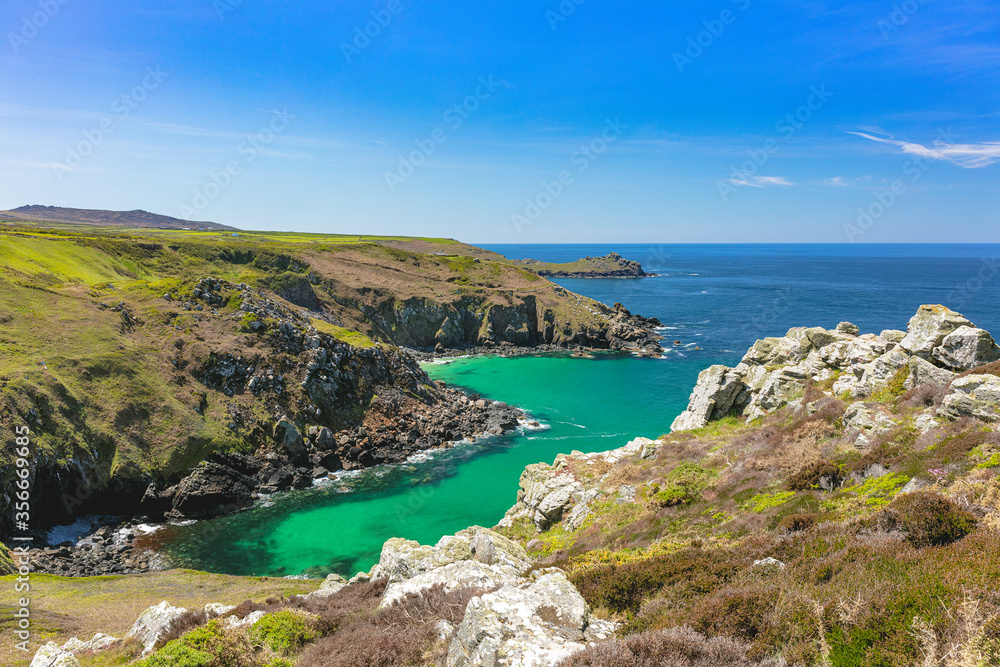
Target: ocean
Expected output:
[714,300]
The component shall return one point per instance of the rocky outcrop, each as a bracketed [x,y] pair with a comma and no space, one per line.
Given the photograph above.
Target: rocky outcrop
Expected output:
[475,558]
[611,265]
[522,620]
[153,624]
[776,371]
[53,655]
[549,493]
[973,396]
[538,622]
[473,322]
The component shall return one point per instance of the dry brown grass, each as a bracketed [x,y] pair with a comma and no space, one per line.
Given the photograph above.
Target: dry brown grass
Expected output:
[64,607]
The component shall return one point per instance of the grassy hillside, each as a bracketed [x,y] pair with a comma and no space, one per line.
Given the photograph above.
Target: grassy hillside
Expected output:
[865,575]
[109,337]
[81,607]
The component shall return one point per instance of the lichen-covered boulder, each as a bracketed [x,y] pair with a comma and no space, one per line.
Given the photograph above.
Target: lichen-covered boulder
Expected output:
[864,422]
[973,396]
[532,624]
[966,348]
[928,329]
[153,623]
[924,372]
[473,558]
[50,655]
[718,389]
[881,371]
[332,584]
[453,576]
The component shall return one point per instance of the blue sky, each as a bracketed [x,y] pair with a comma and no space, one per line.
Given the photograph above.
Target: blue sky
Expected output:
[523,122]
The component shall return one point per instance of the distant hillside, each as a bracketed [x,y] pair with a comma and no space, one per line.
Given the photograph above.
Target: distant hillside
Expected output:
[83,216]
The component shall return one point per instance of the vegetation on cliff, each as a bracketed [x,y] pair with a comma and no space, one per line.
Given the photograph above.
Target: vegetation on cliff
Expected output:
[133,355]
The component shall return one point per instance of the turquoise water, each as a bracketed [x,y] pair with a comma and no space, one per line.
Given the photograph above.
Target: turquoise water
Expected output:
[583,404]
[717,300]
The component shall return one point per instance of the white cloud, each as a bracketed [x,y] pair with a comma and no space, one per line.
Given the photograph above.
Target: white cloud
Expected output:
[761,181]
[967,156]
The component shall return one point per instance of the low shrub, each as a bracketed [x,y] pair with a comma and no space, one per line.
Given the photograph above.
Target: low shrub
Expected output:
[676,647]
[745,614]
[284,632]
[927,519]
[794,523]
[816,475]
[177,653]
[623,588]
[684,485]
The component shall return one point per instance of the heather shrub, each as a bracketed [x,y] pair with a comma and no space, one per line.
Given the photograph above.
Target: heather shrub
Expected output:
[816,475]
[623,588]
[684,484]
[284,632]
[745,613]
[178,654]
[676,647]
[401,634]
[794,523]
[927,519]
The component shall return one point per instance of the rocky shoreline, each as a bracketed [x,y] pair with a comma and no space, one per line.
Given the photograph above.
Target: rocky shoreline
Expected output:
[231,482]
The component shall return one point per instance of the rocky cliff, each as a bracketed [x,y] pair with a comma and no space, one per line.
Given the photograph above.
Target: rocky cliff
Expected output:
[938,346]
[611,265]
[189,371]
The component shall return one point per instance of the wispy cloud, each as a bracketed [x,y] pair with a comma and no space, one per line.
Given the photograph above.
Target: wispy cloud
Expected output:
[967,156]
[762,181]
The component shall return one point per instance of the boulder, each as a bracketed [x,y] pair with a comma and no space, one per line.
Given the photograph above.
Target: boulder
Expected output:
[973,396]
[966,348]
[544,496]
[153,623]
[535,623]
[473,558]
[928,329]
[924,372]
[848,328]
[289,438]
[863,422]
[718,391]
[332,584]
[50,655]
[462,574]
[881,371]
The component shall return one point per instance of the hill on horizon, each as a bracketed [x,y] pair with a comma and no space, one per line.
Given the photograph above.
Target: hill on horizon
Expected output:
[97,217]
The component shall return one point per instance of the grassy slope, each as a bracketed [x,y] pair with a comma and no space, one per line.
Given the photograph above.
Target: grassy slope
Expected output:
[64,607]
[100,388]
[717,499]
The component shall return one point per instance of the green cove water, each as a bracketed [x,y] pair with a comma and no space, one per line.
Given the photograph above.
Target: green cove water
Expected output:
[715,301]
[582,404]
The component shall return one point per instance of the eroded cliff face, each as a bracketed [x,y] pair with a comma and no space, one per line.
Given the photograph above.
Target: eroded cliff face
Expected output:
[514,320]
